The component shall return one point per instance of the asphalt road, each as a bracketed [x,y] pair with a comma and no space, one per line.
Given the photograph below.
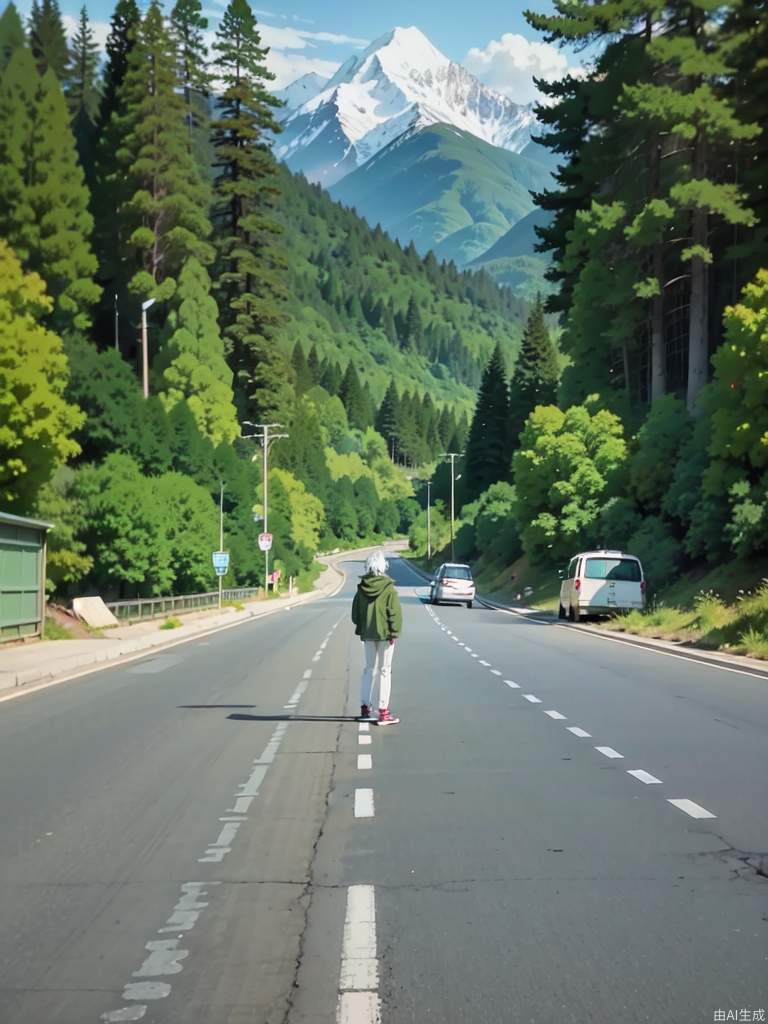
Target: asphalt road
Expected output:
[207,836]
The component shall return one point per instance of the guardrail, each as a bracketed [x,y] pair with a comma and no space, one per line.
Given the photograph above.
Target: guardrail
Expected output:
[154,607]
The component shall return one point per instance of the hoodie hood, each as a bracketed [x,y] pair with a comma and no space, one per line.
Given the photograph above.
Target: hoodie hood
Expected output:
[372,586]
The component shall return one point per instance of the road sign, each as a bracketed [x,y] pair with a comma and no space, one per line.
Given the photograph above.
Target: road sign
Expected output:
[265,541]
[220,562]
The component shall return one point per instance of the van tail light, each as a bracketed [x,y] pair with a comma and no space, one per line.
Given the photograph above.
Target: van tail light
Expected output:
[577,584]
[642,586]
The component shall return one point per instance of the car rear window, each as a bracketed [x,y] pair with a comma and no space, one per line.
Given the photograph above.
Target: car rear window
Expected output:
[625,569]
[457,572]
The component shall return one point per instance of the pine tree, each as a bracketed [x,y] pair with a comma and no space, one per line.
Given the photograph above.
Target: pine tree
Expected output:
[250,280]
[352,395]
[313,364]
[187,28]
[534,379]
[332,378]
[48,38]
[165,216]
[412,326]
[43,199]
[12,34]
[387,417]
[301,369]
[122,32]
[82,90]
[487,459]
[191,365]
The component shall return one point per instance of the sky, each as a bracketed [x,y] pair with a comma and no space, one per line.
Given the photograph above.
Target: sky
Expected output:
[491,38]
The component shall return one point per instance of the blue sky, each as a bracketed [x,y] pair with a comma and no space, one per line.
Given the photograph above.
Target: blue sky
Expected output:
[491,38]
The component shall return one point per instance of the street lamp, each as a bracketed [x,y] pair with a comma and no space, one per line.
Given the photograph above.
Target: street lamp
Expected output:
[144,348]
[265,437]
[452,456]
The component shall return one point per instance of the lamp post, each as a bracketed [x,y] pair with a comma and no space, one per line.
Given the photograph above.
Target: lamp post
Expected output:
[221,534]
[452,456]
[144,347]
[429,522]
[264,436]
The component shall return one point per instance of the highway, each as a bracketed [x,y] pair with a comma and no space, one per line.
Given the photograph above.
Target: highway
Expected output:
[561,830]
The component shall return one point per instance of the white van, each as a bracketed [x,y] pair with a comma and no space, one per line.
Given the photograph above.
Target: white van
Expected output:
[601,582]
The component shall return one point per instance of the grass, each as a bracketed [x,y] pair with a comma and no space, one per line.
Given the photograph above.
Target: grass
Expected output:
[55,631]
[172,622]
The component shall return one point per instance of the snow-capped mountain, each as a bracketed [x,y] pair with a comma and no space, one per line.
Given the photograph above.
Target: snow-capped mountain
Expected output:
[298,92]
[400,82]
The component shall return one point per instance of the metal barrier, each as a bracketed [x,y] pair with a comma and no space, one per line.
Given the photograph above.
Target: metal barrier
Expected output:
[154,607]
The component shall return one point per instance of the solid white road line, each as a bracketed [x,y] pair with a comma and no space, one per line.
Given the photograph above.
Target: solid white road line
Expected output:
[581,733]
[609,752]
[364,803]
[364,739]
[512,685]
[530,697]
[359,1001]
[694,810]
[364,762]
[556,715]
[643,776]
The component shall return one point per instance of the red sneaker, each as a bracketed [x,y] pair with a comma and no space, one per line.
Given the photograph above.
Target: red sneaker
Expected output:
[386,717]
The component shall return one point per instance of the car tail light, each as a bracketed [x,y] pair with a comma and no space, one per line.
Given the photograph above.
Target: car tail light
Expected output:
[577,584]
[642,586]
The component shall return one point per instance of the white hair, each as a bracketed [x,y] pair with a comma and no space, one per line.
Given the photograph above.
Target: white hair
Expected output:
[376,563]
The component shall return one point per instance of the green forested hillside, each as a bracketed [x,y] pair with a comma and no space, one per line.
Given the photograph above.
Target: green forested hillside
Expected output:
[513,261]
[445,190]
[349,293]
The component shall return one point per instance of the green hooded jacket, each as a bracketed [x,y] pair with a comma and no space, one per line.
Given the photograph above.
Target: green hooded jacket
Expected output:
[376,610]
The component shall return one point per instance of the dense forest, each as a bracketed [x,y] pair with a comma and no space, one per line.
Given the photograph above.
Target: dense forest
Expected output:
[130,185]
[654,437]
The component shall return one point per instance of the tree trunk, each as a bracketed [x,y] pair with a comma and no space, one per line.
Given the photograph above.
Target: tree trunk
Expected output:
[698,328]
[658,347]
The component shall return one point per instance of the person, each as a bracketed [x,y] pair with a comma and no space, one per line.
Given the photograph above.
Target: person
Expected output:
[378,620]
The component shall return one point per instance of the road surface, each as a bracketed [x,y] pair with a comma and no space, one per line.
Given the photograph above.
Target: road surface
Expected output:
[562,830]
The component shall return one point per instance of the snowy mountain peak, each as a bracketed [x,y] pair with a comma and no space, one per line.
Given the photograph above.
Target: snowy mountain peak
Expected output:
[298,92]
[400,81]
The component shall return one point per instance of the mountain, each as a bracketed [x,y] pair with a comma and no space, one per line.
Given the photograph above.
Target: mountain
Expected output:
[400,83]
[444,189]
[512,259]
[298,92]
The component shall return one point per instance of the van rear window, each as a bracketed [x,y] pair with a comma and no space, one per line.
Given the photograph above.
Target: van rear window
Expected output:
[625,569]
[457,572]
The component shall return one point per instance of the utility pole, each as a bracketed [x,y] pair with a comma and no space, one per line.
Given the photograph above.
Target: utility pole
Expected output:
[452,456]
[221,534]
[144,346]
[265,436]
[429,523]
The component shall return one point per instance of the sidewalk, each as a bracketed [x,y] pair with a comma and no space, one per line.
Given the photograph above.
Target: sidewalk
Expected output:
[55,660]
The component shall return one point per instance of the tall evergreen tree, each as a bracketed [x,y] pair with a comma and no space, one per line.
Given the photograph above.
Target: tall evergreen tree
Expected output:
[534,379]
[12,34]
[250,280]
[48,38]
[304,380]
[43,199]
[191,365]
[165,215]
[187,28]
[353,396]
[122,33]
[412,328]
[487,457]
[82,91]
[388,416]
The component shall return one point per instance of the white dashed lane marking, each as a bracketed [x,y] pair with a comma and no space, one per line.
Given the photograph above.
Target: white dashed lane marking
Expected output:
[512,685]
[530,697]
[359,1001]
[364,762]
[364,739]
[364,803]
[581,733]
[608,752]
[487,664]
[692,809]
[495,672]
[643,776]
[556,715]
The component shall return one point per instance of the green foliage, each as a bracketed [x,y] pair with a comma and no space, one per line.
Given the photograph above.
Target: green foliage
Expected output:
[487,458]
[67,561]
[43,199]
[47,38]
[659,440]
[563,472]
[36,420]
[191,531]
[82,90]
[535,376]
[12,34]
[191,365]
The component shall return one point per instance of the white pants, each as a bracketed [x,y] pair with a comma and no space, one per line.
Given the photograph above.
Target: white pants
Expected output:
[378,665]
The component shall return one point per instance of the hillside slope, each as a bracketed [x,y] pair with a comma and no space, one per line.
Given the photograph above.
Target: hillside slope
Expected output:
[445,190]
[513,261]
[350,288]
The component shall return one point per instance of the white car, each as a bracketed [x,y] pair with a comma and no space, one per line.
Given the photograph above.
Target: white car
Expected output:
[453,582]
[601,582]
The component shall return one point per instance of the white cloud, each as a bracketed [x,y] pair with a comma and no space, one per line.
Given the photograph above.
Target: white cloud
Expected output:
[100,29]
[510,64]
